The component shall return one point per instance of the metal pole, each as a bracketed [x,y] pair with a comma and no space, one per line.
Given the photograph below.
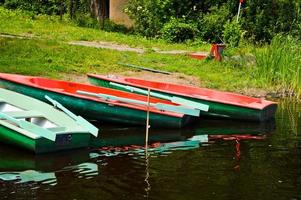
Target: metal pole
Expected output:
[238,12]
[147,120]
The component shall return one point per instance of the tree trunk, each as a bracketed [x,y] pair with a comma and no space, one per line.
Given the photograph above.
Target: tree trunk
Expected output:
[72,8]
[61,9]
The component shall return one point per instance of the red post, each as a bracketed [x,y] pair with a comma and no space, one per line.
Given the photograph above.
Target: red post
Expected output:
[217,51]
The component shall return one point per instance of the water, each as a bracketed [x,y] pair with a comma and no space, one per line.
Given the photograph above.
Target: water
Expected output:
[213,160]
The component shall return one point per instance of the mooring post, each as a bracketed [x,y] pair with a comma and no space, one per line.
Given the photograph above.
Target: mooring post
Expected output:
[148,187]
[147,120]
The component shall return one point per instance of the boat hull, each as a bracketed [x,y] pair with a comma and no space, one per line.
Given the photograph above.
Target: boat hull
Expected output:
[43,145]
[216,109]
[95,110]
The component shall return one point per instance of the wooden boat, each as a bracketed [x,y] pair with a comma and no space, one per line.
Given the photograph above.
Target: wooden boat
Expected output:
[221,104]
[39,127]
[101,103]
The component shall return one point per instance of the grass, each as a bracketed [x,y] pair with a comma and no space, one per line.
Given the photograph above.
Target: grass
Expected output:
[280,63]
[48,54]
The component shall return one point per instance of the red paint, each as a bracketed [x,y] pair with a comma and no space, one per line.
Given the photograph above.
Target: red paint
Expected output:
[193,92]
[198,56]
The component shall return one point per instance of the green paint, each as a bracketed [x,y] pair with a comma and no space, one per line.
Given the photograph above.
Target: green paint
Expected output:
[12,137]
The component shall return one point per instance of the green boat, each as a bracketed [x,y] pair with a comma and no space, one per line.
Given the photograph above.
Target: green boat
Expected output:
[36,126]
[102,104]
[220,104]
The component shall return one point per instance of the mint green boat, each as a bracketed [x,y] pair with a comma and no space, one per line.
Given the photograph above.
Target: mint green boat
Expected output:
[36,126]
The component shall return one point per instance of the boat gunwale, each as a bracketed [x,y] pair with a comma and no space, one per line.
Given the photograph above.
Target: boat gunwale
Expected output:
[122,80]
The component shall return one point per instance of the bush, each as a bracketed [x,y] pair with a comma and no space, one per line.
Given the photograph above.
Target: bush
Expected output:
[272,17]
[113,27]
[38,7]
[211,24]
[85,20]
[148,15]
[151,15]
[178,31]
[232,33]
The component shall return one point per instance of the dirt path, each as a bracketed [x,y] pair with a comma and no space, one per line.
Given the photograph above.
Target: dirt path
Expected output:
[122,47]
[110,45]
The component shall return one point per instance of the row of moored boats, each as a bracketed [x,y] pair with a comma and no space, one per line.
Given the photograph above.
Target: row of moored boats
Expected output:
[45,115]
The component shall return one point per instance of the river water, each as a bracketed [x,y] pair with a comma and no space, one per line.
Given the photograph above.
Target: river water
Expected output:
[215,159]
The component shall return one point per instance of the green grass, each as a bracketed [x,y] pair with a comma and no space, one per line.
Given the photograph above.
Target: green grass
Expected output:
[48,54]
[280,63]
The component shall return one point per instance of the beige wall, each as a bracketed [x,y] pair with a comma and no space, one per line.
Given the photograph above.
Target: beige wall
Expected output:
[117,15]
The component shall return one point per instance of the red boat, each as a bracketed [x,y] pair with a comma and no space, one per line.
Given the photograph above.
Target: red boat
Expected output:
[101,103]
[221,104]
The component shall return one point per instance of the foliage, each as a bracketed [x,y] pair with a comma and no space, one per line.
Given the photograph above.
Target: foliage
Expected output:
[260,20]
[85,20]
[36,6]
[212,23]
[232,33]
[176,30]
[149,16]
[263,21]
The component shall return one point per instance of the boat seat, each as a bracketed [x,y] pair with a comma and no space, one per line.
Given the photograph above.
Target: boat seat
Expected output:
[57,129]
[25,114]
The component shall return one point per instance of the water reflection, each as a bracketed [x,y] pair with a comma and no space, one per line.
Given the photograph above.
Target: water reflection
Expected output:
[29,176]
[42,170]
[117,159]
[129,141]
[290,115]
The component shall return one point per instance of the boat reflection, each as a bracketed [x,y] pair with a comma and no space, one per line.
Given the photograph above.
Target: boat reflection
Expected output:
[116,141]
[19,167]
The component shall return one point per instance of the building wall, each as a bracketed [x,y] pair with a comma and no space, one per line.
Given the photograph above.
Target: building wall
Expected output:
[117,15]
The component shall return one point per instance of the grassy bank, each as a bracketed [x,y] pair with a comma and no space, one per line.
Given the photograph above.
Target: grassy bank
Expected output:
[48,54]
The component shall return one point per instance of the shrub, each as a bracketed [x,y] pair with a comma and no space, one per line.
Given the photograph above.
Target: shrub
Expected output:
[272,17]
[232,33]
[151,15]
[178,31]
[211,24]
[113,27]
[39,7]
[148,15]
[85,20]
